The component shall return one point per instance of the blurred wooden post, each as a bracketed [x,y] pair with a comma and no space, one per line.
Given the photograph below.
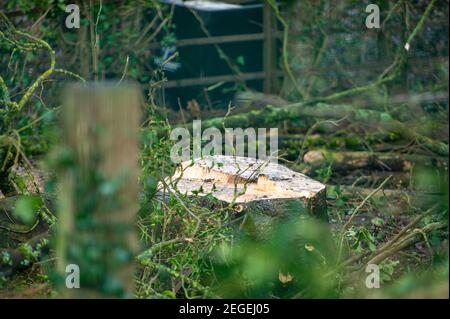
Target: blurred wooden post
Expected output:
[98,189]
[269,48]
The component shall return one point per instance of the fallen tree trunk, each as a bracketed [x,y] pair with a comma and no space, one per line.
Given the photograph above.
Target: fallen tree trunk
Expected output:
[369,178]
[391,193]
[13,260]
[349,141]
[269,115]
[13,230]
[408,240]
[393,201]
[348,161]
[253,99]
[258,99]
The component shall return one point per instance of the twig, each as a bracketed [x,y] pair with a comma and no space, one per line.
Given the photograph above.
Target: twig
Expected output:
[124,73]
[355,211]
[286,65]
[195,284]
[311,129]
[406,242]
[414,222]
[395,67]
[221,53]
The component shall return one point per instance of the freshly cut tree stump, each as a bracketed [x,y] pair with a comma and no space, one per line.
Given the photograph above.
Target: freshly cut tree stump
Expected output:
[261,190]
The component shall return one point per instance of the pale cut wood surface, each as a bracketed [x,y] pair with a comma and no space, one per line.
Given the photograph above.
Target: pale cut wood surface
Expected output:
[263,180]
[250,182]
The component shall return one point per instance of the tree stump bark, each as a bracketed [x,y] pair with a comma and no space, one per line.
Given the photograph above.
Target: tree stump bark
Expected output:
[264,192]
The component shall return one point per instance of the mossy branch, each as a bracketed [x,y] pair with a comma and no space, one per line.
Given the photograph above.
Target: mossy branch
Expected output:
[286,65]
[387,76]
[5,90]
[33,44]
[29,92]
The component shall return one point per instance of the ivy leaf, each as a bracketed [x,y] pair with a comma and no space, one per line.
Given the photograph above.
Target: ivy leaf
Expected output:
[386,117]
[377,221]
[26,208]
[169,294]
[240,60]
[340,202]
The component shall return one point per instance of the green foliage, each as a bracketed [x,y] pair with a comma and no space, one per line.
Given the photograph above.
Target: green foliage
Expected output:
[189,245]
[361,239]
[294,260]
[26,209]
[324,172]
[92,247]
[436,181]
